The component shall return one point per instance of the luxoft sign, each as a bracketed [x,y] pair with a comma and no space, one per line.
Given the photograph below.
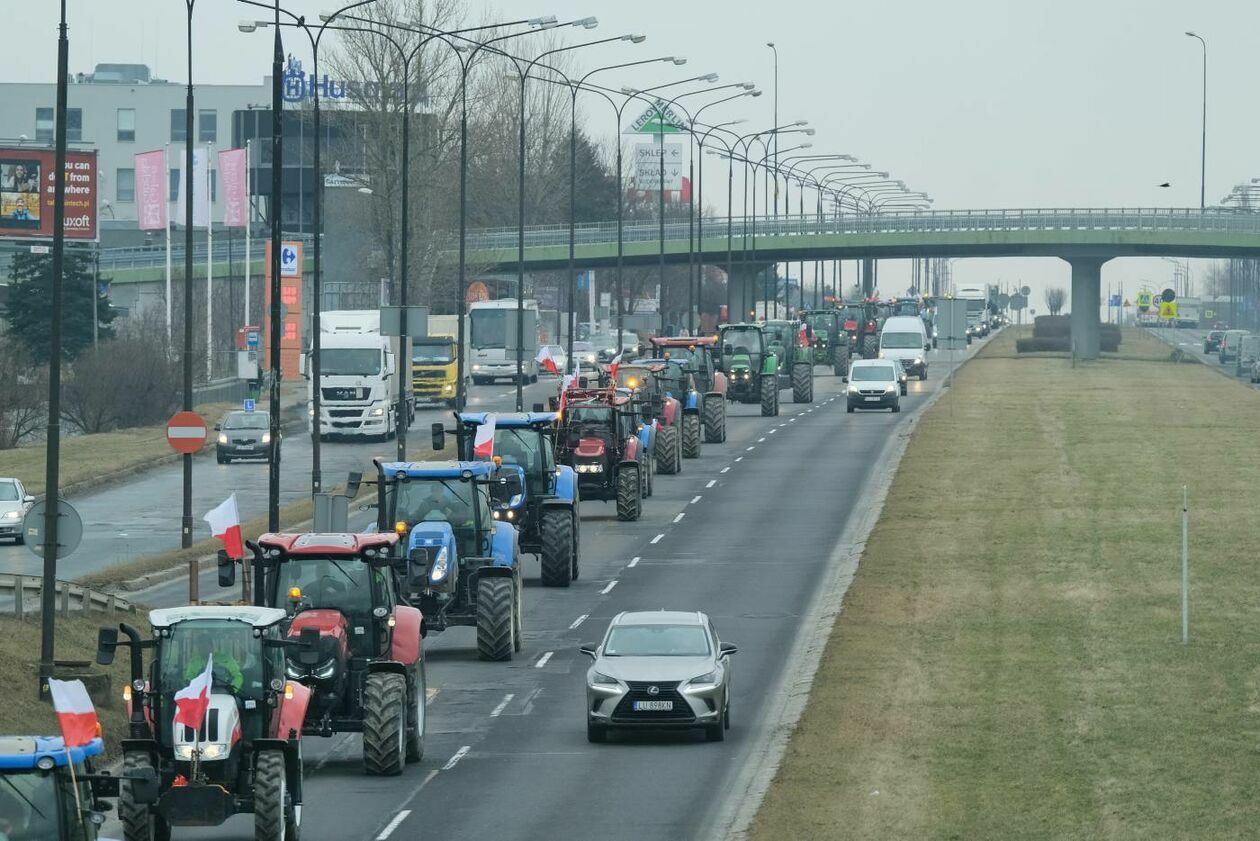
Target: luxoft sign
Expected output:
[27,185]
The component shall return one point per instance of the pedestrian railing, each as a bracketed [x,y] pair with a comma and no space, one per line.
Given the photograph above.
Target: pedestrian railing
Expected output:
[23,594]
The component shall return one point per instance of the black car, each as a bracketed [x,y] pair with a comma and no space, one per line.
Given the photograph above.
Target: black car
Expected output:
[1212,341]
[245,435]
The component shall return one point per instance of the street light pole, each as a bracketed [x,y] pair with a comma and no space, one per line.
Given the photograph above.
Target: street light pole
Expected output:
[277,186]
[186,524]
[1203,135]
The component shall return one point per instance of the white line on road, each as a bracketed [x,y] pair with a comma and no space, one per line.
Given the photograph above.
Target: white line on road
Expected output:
[724,470]
[634,562]
[542,661]
[712,482]
[776,429]
[392,825]
[741,458]
[750,449]
[608,589]
[681,514]
[459,754]
[759,440]
[579,621]
[695,499]
[495,713]
[791,420]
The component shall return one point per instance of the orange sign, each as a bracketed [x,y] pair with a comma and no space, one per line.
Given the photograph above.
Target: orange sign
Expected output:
[290,306]
[477,291]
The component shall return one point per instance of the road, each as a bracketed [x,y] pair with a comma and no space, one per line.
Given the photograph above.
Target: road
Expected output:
[124,521]
[744,534]
[1190,340]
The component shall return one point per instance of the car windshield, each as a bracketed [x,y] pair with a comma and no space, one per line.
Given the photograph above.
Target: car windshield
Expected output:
[433,353]
[902,340]
[872,373]
[8,492]
[238,668]
[246,420]
[28,807]
[349,362]
[343,584]
[657,640]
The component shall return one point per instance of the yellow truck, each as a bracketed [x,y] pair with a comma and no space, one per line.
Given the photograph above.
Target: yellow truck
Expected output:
[433,369]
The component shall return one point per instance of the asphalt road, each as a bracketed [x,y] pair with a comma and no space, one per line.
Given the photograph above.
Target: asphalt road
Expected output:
[744,534]
[1190,340]
[141,516]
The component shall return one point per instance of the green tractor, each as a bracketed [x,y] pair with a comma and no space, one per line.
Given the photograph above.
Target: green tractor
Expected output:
[795,358]
[750,366]
[828,338]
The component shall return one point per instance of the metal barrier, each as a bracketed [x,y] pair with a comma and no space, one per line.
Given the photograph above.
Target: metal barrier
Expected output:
[221,391]
[22,594]
[148,256]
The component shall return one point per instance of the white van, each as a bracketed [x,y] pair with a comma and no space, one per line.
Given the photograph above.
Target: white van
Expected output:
[904,337]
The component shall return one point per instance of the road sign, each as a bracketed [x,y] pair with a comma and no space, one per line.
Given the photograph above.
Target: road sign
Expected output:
[69,528]
[40,249]
[1144,300]
[1209,313]
[660,118]
[1018,301]
[249,404]
[186,432]
[291,259]
[1167,309]
[951,324]
[1126,303]
[1114,301]
[647,166]
[1168,296]
[584,280]
[1025,291]
[1003,301]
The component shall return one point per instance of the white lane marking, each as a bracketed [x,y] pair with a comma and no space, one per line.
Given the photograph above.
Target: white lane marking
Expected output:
[724,470]
[762,438]
[634,562]
[392,825]
[430,692]
[741,458]
[542,661]
[498,711]
[776,429]
[608,589]
[459,754]
[750,449]
[681,514]
[695,499]
[579,621]
[791,420]
[658,538]
[713,482]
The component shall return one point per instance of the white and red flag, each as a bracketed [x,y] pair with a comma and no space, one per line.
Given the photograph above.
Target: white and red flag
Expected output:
[75,712]
[151,186]
[483,442]
[614,365]
[193,700]
[225,524]
[234,184]
[547,361]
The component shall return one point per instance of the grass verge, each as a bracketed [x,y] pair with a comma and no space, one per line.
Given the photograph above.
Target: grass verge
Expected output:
[1008,662]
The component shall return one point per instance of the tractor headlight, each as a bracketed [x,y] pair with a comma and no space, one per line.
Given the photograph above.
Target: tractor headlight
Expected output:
[327,669]
[213,751]
[223,439]
[511,515]
[589,468]
[498,515]
[448,387]
[918,360]
[516,500]
[476,367]
[881,354]
[291,670]
[441,566]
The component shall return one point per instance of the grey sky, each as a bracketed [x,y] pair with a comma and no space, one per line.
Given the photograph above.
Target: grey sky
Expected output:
[982,103]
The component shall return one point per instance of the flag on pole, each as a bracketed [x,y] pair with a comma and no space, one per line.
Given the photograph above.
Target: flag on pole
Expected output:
[201,189]
[193,700]
[547,361]
[614,365]
[75,712]
[225,524]
[483,442]
[151,190]
[234,185]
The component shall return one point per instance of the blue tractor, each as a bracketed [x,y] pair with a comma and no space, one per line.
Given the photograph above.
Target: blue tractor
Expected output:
[461,565]
[546,513]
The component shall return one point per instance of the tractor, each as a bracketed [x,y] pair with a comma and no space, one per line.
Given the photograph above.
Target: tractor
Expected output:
[862,322]
[370,676]
[648,384]
[601,437]
[828,339]
[695,354]
[751,368]
[460,566]
[546,514]
[246,756]
[789,343]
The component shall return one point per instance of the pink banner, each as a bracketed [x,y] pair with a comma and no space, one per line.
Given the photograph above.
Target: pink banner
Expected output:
[151,190]
[234,184]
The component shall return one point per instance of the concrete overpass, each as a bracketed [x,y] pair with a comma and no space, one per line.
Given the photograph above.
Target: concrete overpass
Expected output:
[1085,238]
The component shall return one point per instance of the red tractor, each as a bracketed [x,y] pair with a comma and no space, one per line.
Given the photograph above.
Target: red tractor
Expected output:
[650,384]
[695,354]
[862,322]
[600,437]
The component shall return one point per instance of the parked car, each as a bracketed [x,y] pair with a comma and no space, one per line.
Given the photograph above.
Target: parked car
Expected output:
[659,669]
[1212,341]
[245,435]
[874,384]
[14,503]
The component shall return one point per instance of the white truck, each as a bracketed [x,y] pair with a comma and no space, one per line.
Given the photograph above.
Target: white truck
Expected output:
[358,389]
[492,332]
[977,298]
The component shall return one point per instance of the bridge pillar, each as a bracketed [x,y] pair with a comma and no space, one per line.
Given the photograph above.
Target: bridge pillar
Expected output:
[868,278]
[744,289]
[1086,292]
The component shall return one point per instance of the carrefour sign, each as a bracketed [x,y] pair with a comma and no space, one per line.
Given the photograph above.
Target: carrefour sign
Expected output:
[299,85]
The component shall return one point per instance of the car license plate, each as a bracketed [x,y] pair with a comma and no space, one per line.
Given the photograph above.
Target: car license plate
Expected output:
[871,399]
[653,706]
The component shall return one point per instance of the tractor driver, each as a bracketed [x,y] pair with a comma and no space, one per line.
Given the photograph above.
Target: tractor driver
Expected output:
[439,502]
[741,342]
[227,667]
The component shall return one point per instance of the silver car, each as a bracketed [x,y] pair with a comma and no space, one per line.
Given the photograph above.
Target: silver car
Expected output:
[659,669]
[14,503]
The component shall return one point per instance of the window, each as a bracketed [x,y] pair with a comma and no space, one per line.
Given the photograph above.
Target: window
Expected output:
[207,126]
[74,125]
[125,182]
[126,125]
[179,127]
[175,180]
[46,124]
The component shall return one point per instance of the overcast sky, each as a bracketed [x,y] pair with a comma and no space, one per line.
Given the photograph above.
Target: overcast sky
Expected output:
[981,103]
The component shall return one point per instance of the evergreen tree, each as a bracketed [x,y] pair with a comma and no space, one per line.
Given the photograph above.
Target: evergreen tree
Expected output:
[30,303]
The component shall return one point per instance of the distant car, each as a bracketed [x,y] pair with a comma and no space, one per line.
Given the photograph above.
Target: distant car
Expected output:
[659,669]
[904,338]
[874,384]
[245,435]
[14,503]
[584,354]
[1228,350]
[558,356]
[1212,341]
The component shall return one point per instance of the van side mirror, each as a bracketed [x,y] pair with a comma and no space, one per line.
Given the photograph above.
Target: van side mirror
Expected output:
[227,569]
[106,642]
[439,437]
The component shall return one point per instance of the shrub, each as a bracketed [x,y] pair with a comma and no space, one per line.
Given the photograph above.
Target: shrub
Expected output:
[126,382]
[1047,326]
[1038,344]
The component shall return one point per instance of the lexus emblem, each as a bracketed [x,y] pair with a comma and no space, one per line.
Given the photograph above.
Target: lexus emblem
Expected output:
[654,690]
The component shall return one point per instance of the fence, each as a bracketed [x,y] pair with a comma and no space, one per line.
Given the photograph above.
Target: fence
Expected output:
[20,594]
[221,391]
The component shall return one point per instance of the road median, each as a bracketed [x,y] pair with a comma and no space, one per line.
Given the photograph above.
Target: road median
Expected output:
[1007,663]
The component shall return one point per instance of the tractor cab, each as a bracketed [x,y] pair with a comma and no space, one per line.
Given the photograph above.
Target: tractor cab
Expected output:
[744,348]
[42,798]
[524,440]
[605,440]
[784,336]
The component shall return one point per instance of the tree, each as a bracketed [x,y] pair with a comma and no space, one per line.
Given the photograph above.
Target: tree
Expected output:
[30,303]
[133,380]
[23,392]
[1056,296]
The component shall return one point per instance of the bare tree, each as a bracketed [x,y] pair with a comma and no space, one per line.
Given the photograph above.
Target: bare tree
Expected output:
[1056,296]
[23,389]
[129,381]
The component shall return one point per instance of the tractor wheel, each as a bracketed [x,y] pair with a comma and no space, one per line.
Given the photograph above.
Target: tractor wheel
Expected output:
[417,711]
[271,791]
[577,541]
[496,621]
[769,396]
[629,503]
[518,613]
[385,724]
[802,384]
[870,347]
[138,821]
[692,436]
[714,420]
[557,547]
[668,451]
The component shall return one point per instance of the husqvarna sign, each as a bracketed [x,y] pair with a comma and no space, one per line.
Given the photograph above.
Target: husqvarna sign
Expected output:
[299,85]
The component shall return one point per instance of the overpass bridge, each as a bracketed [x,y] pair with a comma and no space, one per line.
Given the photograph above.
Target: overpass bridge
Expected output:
[1085,238]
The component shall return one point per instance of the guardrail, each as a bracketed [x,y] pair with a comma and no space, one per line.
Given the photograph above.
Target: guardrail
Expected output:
[147,256]
[22,594]
[230,390]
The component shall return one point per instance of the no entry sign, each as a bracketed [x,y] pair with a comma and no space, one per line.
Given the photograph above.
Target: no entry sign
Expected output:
[186,432]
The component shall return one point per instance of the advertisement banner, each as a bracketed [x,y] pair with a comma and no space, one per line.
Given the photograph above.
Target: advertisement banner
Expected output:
[151,190]
[233,187]
[201,201]
[26,193]
[291,316]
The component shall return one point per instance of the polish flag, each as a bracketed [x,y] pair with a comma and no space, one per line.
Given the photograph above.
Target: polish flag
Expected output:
[547,361]
[804,337]
[193,700]
[483,442]
[225,524]
[614,365]
[75,712]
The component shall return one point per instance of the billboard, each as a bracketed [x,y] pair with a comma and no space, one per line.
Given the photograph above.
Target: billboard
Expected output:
[26,193]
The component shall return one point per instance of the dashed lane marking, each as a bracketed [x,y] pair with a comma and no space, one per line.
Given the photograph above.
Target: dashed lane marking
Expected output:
[712,482]
[695,499]
[759,440]
[741,458]
[542,661]
[430,692]
[498,711]
[392,825]
[459,754]
[750,449]
[658,538]
[608,589]
[681,514]
[579,621]
[724,470]
[634,562]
